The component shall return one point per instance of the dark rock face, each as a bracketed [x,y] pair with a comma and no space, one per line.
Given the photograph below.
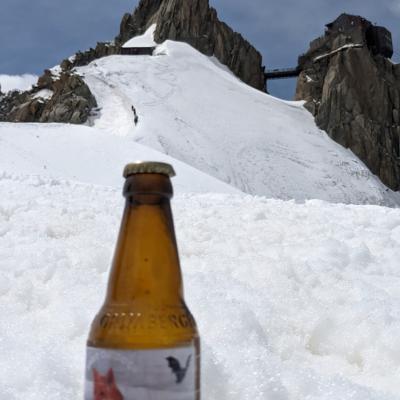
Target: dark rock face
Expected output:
[10,102]
[196,23]
[69,100]
[354,93]
[72,101]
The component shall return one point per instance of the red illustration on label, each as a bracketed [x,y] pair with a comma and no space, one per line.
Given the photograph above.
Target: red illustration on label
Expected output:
[105,387]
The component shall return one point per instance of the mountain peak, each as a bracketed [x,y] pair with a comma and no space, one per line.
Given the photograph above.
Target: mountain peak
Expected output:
[196,23]
[352,88]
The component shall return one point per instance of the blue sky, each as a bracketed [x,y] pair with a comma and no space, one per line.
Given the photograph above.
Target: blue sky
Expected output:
[38,34]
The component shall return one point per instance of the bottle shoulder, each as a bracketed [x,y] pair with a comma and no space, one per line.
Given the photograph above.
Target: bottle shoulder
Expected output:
[137,326]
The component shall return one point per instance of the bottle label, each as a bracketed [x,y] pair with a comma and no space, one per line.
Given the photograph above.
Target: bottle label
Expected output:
[166,374]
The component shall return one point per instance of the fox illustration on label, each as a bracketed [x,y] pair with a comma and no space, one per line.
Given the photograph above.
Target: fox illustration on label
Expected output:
[105,387]
[180,372]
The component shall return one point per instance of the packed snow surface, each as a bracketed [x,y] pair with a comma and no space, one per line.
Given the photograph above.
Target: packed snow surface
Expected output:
[87,155]
[293,301]
[192,109]
[145,40]
[17,82]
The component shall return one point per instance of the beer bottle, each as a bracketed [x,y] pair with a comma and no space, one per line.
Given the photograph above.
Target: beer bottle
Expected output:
[143,343]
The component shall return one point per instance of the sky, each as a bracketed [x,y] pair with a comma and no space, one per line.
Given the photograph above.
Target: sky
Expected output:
[35,35]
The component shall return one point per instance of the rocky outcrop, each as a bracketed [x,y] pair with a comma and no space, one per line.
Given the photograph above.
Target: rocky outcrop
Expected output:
[10,102]
[102,49]
[353,90]
[196,23]
[66,97]
[62,98]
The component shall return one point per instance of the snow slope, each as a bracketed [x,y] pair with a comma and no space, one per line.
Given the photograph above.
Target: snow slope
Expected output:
[191,108]
[87,155]
[145,40]
[293,301]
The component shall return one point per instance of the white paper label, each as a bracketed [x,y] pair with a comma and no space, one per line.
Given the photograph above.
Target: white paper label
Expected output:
[167,374]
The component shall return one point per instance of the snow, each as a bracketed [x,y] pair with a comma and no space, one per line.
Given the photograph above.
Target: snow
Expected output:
[344,47]
[293,301]
[17,82]
[145,40]
[87,155]
[45,94]
[192,109]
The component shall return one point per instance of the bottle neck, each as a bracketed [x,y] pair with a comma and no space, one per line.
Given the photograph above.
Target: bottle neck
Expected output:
[146,263]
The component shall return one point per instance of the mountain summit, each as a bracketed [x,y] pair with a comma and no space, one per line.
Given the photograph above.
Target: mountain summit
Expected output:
[197,24]
[352,87]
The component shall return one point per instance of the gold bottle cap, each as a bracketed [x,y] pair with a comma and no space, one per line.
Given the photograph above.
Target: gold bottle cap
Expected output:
[149,167]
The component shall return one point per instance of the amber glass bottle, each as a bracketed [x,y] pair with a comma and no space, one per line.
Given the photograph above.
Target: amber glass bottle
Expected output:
[143,343]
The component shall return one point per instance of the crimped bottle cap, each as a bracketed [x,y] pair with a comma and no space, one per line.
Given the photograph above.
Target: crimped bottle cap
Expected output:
[149,167]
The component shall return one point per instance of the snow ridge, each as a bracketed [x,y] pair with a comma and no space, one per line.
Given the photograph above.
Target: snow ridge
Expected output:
[192,109]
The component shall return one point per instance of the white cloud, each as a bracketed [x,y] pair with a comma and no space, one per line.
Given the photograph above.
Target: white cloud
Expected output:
[19,82]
